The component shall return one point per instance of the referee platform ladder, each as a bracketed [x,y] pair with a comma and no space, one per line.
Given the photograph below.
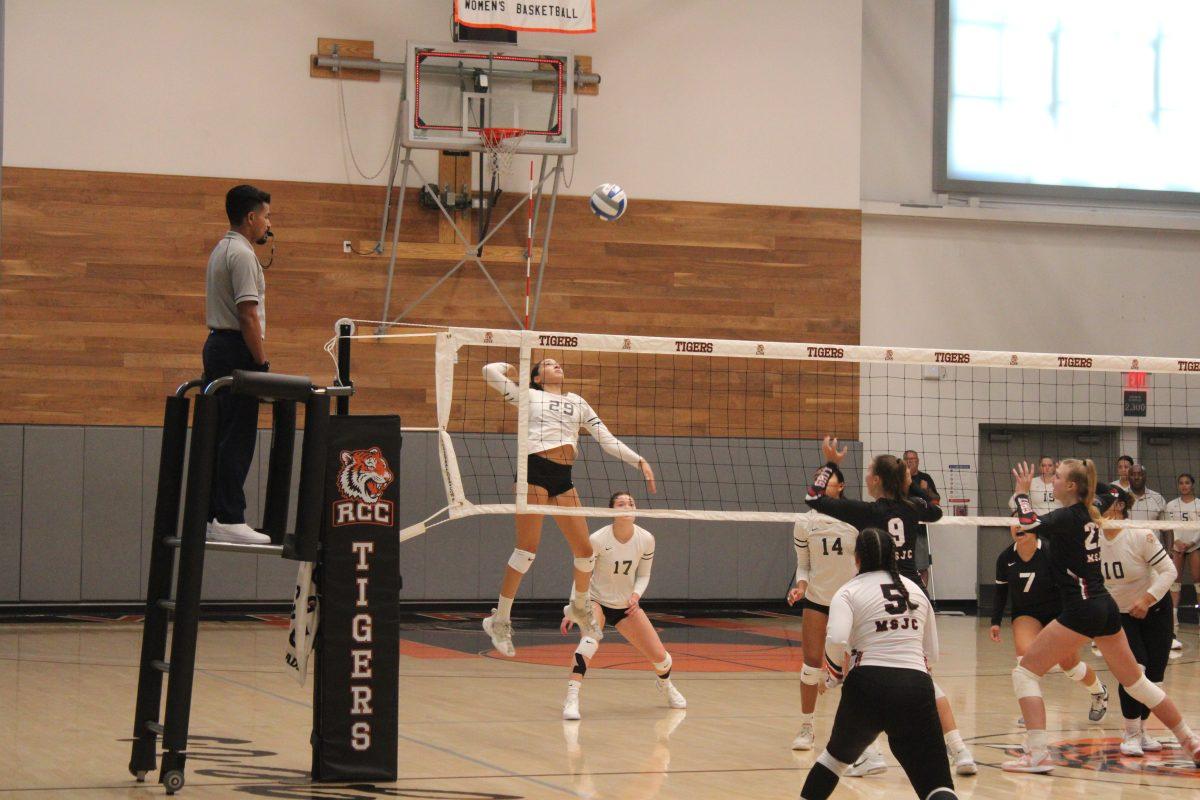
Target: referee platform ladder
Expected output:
[284,392]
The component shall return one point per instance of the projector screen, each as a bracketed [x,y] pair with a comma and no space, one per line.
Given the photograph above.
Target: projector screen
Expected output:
[1076,99]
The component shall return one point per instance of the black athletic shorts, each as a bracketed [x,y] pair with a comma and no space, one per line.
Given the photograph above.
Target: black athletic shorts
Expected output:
[555,478]
[612,615]
[806,603]
[1096,616]
[1043,615]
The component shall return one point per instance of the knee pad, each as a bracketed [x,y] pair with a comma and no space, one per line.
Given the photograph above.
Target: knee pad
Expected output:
[938,694]
[1146,692]
[584,653]
[832,764]
[663,668]
[1026,684]
[585,564]
[1077,672]
[521,560]
[810,676]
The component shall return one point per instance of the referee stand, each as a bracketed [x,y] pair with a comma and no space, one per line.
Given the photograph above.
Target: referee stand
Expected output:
[346,535]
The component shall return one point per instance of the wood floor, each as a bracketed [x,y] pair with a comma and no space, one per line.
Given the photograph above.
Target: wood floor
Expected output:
[476,727]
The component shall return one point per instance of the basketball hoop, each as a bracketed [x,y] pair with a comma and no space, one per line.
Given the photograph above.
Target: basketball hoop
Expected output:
[500,144]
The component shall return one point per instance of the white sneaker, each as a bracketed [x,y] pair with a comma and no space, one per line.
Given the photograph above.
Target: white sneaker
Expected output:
[236,532]
[1149,743]
[869,763]
[583,617]
[1030,762]
[674,698]
[1099,705]
[501,634]
[571,706]
[1192,748]
[1131,745]
[804,739]
[1176,644]
[964,762]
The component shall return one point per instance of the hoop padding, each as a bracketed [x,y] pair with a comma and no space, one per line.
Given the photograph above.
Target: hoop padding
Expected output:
[453,339]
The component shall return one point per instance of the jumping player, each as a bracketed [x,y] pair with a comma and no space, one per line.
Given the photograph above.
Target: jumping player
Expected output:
[555,417]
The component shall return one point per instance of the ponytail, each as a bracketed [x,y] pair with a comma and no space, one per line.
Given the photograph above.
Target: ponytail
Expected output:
[876,551]
[891,471]
[1083,474]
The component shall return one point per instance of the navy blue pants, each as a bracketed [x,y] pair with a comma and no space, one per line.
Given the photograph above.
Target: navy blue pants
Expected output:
[237,426]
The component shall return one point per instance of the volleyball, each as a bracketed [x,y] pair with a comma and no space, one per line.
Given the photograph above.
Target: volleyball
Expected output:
[608,202]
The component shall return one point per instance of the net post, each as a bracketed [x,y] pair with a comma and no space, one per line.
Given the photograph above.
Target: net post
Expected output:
[345,330]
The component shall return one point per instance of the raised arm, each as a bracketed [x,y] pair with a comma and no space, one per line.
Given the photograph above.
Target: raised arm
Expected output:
[496,376]
[926,510]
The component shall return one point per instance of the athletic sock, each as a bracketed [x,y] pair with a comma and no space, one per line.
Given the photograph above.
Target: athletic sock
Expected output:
[1095,687]
[1036,741]
[807,719]
[573,687]
[954,741]
[503,608]
[1133,726]
[1183,733]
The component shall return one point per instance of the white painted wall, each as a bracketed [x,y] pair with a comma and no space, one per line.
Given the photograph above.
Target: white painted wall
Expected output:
[985,284]
[701,99]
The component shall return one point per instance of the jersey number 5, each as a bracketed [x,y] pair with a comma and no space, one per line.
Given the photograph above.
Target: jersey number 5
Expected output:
[896,529]
[894,599]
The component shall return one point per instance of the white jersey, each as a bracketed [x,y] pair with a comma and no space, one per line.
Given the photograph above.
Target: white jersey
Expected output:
[1185,512]
[1041,494]
[622,569]
[1135,563]
[868,618]
[555,419]
[824,555]
[1122,482]
[1150,505]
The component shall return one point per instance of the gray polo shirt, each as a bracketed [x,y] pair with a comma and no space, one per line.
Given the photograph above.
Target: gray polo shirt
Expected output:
[234,276]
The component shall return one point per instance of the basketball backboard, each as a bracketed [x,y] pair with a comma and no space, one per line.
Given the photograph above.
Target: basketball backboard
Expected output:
[454,90]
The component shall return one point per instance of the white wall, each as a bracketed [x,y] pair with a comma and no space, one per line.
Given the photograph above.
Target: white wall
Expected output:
[929,282]
[701,99]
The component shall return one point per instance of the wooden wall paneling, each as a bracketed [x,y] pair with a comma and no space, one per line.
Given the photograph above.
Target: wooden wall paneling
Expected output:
[102,289]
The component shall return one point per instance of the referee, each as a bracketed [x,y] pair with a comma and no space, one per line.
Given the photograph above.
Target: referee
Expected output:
[235,312]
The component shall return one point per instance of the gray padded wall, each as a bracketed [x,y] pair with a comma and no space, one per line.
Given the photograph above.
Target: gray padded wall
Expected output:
[85,535]
[12,442]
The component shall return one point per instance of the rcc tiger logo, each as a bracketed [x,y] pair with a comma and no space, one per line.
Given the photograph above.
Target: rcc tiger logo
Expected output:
[362,479]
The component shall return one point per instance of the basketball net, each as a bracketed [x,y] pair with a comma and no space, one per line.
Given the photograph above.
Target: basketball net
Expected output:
[500,144]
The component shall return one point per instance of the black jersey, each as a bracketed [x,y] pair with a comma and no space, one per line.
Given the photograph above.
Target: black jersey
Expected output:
[900,519]
[1030,583]
[1074,547]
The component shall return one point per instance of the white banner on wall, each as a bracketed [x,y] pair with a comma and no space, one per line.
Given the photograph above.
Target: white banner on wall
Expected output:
[550,16]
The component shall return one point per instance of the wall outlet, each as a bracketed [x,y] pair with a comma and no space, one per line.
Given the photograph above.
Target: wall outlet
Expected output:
[346,246]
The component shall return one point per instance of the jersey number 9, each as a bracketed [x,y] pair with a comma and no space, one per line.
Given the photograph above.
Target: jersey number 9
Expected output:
[896,530]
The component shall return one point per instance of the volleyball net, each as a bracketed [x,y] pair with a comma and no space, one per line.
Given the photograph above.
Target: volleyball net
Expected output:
[732,429]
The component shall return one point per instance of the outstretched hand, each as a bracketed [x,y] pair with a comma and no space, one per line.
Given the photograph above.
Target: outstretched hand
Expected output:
[994,633]
[829,449]
[564,627]
[1023,475]
[648,474]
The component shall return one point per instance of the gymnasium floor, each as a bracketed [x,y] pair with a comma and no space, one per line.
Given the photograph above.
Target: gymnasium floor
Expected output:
[476,727]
